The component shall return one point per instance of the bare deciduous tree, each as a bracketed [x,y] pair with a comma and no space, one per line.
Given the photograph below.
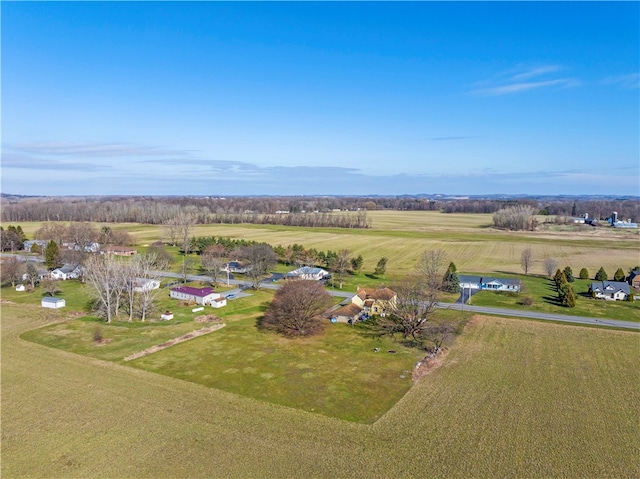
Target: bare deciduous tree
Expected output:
[550,266]
[261,258]
[31,274]
[340,265]
[296,309]
[417,298]
[104,275]
[12,270]
[526,260]
[50,286]
[212,259]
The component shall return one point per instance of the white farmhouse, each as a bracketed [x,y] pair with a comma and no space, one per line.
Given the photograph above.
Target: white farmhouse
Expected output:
[68,271]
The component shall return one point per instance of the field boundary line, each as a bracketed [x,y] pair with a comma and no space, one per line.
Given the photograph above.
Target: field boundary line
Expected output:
[172,342]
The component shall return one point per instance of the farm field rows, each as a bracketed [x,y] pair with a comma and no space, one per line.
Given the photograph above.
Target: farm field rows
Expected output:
[513,398]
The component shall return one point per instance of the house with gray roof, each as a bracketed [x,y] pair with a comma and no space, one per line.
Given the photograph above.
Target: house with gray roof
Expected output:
[610,290]
[68,271]
[308,272]
[489,283]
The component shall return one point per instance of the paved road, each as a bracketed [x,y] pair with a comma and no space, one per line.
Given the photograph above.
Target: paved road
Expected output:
[269,284]
[544,316]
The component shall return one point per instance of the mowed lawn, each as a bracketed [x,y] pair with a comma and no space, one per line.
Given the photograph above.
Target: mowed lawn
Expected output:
[513,399]
[336,373]
[545,296]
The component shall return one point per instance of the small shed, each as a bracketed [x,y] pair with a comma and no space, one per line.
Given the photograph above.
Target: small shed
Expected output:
[52,302]
[20,287]
[166,316]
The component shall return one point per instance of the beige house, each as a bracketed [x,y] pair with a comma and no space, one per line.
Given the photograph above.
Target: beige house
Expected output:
[366,302]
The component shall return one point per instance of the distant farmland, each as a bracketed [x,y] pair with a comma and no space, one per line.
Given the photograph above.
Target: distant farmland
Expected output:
[468,239]
[513,399]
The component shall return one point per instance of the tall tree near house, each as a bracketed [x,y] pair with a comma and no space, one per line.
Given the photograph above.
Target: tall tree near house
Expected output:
[212,259]
[12,270]
[81,234]
[261,258]
[52,255]
[50,287]
[619,275]
[601,275]
[417,298]
[526,260]
[451,282]
[431,267]
[297,307]
[31,274]
[341,265]
[413,310]
[103,274]
[550,265]
[584,273]
[381,267]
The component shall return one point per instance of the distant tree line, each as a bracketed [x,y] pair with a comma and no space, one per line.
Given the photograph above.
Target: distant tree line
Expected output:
[338,212]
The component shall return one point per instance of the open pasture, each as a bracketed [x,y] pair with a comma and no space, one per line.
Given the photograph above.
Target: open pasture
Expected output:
[513,399]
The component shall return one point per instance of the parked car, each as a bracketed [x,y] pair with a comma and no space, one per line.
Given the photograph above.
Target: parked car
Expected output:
[230,296]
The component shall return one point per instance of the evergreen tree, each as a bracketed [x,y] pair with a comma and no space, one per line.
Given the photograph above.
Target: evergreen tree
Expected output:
[52,255]
[567,296]
[560,280]
[451,282]
[619,275]
[601,275]
[381,267]
[584,273]
[568,273]
[356,264]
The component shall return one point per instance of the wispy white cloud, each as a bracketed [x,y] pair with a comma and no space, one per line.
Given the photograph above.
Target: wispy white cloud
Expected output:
[626,82]
[522,79]
[93,149]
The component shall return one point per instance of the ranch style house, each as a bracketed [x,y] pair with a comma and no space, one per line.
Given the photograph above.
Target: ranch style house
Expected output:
[610,290]
[308,272]
[203,296]
[489,283]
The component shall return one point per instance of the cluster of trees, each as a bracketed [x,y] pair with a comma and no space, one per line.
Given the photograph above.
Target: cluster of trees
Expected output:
[118,285]
[12,239]
[82,234]
[298,306]
[320,212]
[601,209]
[516,218]
[307,211]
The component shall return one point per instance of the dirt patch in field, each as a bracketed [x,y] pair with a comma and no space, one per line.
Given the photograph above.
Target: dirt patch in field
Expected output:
[103,341]
[207,318]
[428,364]
[171,342]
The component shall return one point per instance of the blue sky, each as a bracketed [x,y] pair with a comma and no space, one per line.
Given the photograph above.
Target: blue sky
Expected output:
[210,98]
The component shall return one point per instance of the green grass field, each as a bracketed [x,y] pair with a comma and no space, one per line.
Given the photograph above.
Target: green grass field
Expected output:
[336,373]
[543,291]
[513,398]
